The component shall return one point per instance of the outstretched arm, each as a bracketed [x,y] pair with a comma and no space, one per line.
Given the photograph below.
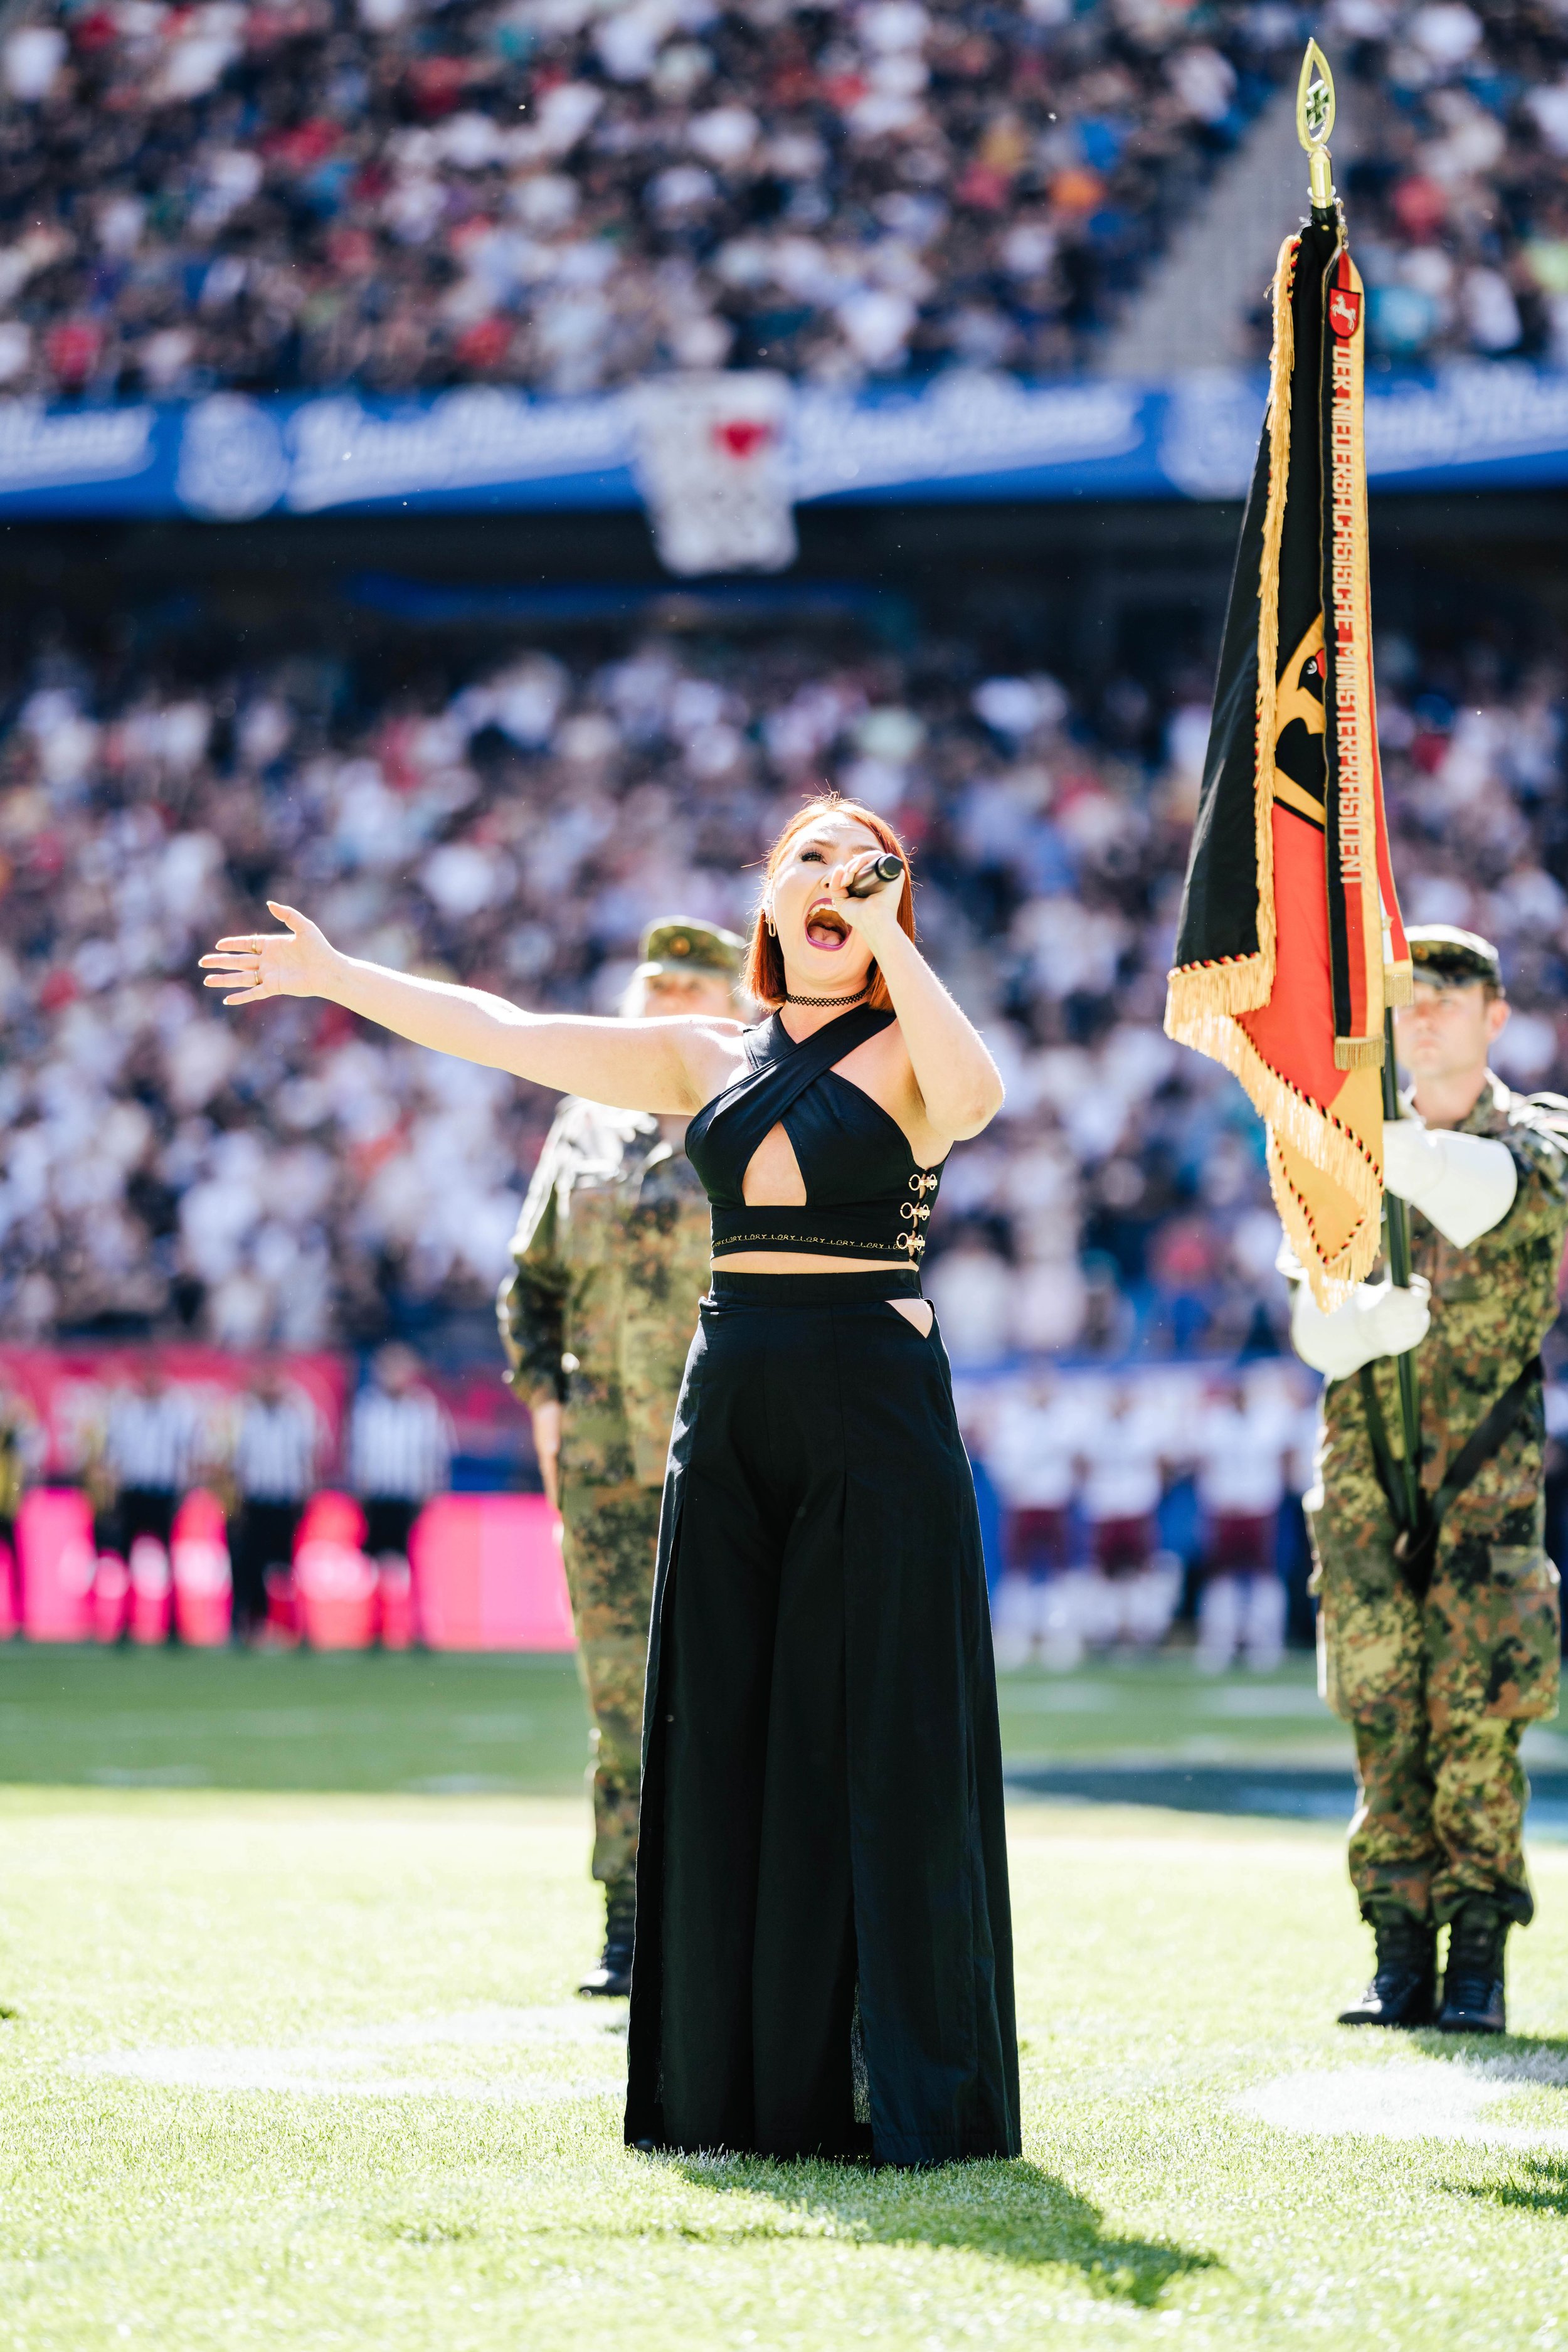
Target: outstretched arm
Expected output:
[654,1066]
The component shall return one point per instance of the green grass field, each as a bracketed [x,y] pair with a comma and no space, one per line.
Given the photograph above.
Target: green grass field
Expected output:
[294,2060]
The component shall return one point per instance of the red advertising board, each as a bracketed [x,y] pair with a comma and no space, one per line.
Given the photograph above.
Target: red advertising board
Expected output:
[66,1393]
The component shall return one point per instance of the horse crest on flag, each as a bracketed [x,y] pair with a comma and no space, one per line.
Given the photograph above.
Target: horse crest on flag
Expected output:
[1289,945]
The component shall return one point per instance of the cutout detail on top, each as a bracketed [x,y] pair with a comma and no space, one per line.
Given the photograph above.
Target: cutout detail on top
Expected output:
[774,1170]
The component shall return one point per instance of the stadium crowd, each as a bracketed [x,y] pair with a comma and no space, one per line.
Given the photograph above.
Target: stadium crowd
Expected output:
[569,195]
[1460,195]
[308,1181]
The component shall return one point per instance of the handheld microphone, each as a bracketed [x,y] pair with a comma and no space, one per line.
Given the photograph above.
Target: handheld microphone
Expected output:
[876,877]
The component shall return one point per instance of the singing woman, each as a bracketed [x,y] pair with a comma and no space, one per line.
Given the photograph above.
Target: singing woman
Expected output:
[823,1947]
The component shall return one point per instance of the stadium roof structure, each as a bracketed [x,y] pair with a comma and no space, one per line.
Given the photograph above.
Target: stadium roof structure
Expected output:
[964,435]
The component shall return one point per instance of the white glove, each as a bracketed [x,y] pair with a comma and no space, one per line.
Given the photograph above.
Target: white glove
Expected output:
[1463,1185]
[1377,1319]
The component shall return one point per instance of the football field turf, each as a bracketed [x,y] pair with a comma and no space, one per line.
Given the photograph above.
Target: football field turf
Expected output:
[293,2058]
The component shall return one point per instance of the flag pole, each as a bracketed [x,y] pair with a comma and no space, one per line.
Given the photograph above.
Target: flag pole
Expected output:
[1398,1214]
[1314,126]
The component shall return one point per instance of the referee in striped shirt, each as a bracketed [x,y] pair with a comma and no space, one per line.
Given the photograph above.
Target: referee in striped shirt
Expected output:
[400,1451]
[151,1445]
[274,1470]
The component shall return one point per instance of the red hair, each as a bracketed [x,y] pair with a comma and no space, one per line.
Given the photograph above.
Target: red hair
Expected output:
[762,977]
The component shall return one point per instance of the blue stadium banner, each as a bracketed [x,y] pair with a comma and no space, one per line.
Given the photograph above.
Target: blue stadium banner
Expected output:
[962,436]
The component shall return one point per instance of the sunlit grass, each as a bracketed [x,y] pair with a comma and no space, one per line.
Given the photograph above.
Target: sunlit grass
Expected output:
[289,2063]
[451,2174]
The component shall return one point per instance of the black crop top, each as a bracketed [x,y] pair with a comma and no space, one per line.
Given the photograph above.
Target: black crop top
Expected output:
[865,1196]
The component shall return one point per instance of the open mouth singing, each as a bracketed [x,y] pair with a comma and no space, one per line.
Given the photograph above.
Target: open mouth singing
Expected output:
[826,927]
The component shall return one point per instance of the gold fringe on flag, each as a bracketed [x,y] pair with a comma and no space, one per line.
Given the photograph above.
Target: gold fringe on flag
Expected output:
[1332,1266]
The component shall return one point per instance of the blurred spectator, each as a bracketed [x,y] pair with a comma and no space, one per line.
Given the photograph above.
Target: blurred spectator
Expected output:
[1458,199]
[400,1451]
[971,1288]
[149,1456]
[569,197]
[274,1470]
[1240,1451]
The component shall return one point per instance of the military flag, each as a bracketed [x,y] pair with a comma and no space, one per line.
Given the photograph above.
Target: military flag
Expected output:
[1289,945]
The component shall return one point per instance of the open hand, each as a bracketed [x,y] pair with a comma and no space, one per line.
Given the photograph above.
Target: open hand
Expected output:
[294,963]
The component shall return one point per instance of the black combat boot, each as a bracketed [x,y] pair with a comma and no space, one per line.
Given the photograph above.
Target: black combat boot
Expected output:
[1473,1979]
[1403,1988]
[613,1974]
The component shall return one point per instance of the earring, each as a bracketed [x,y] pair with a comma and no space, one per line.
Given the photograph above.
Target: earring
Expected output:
[772,926]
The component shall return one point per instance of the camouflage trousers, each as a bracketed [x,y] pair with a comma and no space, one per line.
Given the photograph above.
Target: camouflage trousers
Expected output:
[609,1537]
[1437,1691]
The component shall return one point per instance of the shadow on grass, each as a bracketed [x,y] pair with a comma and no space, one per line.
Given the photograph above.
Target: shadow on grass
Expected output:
[1539,2057]
[1013,2212]
[1539,2184]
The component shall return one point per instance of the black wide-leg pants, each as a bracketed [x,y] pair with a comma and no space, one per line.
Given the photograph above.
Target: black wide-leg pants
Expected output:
[824,1950]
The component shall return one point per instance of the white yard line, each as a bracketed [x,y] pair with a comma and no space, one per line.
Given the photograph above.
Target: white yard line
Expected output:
[1416,2099]
[353,2063]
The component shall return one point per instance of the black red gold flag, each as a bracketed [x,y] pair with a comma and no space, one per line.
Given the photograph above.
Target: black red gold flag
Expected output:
[1289,944]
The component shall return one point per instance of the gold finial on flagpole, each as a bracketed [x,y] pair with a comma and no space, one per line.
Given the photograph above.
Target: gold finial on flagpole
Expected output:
[1315,123]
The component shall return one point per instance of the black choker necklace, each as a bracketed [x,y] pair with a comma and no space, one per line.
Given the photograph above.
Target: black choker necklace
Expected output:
[859,993]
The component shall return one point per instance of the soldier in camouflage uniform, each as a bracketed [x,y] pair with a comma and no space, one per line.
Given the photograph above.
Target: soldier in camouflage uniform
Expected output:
[611,1258]
[1437,1679]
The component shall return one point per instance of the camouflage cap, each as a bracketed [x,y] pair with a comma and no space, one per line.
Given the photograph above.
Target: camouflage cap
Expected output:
[689,947]
[1446,957]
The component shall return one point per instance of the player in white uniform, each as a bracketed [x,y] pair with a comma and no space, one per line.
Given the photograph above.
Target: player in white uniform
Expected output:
[1134,1584]
[1239,1448]
[1032,1453]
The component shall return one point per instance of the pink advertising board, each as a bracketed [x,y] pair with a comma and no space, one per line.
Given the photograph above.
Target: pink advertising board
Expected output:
[488,1574]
